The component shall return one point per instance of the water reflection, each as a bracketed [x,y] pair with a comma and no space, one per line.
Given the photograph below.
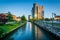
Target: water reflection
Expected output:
[28,32]
[37,34]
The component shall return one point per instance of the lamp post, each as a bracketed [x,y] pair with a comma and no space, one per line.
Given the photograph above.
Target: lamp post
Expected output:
[53,14]
[52,19]
[43,16]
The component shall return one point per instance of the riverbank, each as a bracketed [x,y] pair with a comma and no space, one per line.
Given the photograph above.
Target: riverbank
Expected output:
[10,28]
[44,28]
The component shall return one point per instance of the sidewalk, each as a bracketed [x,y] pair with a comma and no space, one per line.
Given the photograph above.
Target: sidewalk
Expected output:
[49,27]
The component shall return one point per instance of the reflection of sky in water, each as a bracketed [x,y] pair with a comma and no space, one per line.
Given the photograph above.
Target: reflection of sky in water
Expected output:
[30,27]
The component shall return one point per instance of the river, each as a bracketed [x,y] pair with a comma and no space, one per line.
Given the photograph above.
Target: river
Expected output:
[29,32]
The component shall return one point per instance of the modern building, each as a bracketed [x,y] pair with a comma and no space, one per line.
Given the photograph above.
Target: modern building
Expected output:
[29,17]
[37,11]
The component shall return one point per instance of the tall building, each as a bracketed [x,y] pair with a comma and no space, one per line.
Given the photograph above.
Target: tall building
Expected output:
[29,17]
[37,11]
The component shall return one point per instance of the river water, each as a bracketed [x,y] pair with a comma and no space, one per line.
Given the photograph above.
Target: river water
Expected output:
[29,32]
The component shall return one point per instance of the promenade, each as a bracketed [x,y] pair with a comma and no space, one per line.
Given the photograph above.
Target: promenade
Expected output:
[54,29]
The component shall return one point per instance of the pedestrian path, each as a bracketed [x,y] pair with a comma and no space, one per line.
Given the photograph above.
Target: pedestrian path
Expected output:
[49,27]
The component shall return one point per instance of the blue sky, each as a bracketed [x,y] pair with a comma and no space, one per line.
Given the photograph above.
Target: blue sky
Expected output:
[23,7]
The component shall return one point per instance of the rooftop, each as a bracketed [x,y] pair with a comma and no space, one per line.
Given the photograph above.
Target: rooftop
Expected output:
[57,16]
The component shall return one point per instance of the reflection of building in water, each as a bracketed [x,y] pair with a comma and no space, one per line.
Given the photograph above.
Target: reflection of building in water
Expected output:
[33,28]
[37,34]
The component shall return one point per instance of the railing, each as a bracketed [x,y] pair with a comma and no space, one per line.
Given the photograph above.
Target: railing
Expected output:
[45,24]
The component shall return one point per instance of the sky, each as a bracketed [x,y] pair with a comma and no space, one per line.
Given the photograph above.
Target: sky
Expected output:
[23,7]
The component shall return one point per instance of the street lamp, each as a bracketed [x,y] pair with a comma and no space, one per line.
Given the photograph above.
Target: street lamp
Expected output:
[52,19]
[53,14]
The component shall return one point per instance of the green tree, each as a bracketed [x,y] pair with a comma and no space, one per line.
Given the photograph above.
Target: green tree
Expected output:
[47,19]
[23,18]
[10,18]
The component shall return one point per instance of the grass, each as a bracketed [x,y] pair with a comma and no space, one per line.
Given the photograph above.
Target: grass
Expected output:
[5,28]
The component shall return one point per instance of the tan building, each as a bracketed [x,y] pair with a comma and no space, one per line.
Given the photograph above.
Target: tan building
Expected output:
[57,17]
[16,18]
[37,11]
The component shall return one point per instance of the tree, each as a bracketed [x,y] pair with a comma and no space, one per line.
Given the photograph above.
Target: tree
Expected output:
[47,19]
[10,18]
[23,18]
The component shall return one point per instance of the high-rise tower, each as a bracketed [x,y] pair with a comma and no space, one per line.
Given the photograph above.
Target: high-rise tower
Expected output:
[37,11]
